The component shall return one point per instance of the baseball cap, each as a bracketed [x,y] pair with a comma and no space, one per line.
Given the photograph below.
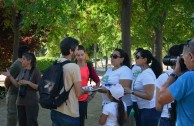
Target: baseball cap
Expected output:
[117,91]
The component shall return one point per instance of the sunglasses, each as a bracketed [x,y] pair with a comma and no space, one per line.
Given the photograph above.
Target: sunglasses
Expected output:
[137,57]
[114,56]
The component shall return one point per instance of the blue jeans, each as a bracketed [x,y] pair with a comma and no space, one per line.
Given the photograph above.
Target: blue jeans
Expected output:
[149,117]
[60,119]
[164,121]
[129,109]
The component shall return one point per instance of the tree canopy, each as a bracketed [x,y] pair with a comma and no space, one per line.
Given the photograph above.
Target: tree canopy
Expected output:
[155,25]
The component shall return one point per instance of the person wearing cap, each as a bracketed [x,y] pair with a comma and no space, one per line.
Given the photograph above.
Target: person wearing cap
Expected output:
[115,112]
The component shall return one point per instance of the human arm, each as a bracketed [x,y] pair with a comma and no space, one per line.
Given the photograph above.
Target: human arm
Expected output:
[126,83]
[95,77]
[10,77]
[158,105]
[164,94]
[103,119]
[147,94]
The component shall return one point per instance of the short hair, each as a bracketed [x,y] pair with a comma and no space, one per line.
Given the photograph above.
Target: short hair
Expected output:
[31,56]
[189,46]
[80,47]
[67,44]
[22,49]
[176,50]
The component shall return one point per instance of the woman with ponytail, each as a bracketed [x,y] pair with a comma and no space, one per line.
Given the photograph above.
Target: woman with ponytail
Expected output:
[144,87]
[115,112]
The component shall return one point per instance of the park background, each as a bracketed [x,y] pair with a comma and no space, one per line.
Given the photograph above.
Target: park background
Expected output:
[99,25]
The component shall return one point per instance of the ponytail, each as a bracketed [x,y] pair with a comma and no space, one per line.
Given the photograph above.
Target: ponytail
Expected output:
[121,113]
[156,67]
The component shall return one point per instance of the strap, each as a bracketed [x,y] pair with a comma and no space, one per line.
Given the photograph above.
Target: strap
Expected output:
[71,86]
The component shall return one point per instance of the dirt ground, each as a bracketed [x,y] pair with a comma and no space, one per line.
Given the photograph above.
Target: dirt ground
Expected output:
[94,111]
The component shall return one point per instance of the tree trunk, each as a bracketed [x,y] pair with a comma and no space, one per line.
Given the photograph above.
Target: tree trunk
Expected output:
[125,26]
[15,28]
[158,44]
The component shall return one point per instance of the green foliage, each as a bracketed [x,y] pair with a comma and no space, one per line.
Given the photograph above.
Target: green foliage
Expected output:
[44,62]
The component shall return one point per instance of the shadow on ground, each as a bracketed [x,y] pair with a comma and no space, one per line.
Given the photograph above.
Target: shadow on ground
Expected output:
[94,111]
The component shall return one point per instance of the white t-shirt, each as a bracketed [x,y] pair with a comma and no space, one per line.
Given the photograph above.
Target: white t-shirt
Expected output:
[110,109]
[113,77]
[145,77]
[136,70]
[159,83]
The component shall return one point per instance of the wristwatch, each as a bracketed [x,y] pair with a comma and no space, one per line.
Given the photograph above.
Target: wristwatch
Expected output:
[132,92]
[174,75]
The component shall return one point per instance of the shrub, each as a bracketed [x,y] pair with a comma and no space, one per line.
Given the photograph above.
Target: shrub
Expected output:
[44,62]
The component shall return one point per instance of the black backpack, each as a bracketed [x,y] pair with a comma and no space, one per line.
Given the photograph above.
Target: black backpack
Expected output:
[51,88]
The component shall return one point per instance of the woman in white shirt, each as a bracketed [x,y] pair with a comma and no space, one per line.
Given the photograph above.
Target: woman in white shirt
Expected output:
[120,73]
[144,87]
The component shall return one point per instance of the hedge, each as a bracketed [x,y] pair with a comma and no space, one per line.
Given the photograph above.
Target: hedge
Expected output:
[44,62]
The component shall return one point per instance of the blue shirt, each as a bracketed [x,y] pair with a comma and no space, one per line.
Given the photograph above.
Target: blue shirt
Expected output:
[182,90]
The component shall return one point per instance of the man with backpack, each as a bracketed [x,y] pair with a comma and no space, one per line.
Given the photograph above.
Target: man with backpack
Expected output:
[67,114]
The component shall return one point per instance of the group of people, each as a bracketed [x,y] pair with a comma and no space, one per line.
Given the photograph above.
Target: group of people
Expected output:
[143,87]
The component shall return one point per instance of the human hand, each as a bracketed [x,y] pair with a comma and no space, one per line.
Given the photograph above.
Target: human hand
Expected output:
[7,73]
[127,90]
[90,96]
[23,82]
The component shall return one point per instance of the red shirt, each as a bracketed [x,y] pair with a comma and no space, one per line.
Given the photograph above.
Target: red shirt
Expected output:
[84,77]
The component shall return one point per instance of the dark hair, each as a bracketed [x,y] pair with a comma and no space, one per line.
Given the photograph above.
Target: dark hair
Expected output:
[31,56]
[155,65]
[67,44]
[22,49]
[137,50]
[120,111]
[80,47]
[176,50]
[124,55]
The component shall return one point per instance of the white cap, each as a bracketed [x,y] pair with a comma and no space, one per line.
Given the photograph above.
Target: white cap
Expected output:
[117,91]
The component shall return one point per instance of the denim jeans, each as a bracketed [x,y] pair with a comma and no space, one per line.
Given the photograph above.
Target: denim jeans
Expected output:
[149,117]
[164,121]
[60,119]
[129,109]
